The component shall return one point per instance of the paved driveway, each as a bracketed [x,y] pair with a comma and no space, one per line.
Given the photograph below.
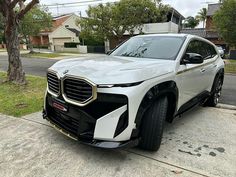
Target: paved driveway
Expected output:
[201,143]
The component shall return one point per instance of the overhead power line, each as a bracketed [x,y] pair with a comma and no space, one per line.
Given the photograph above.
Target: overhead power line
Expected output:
[71,3]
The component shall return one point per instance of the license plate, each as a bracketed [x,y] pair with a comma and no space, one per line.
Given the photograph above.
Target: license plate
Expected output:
[60,106]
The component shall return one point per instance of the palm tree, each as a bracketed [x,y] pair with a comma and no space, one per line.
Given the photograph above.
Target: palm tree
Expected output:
[202,15]
[191,22]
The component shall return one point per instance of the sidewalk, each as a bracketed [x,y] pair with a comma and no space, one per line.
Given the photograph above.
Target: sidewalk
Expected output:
[201,143]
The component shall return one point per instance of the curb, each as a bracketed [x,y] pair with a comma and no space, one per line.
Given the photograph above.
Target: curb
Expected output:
[230,74]
[226,106]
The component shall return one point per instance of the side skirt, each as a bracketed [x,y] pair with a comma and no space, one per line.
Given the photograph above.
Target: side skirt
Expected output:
[193,102]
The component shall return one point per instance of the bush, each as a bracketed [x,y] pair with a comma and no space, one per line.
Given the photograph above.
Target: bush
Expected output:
[41,46]
[93,42]
[71,44]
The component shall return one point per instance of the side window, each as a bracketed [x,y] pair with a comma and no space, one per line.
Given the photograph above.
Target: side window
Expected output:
[212,51]
[204,49]
[197,47]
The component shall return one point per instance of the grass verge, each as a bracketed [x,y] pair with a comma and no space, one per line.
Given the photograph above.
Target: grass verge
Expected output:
[18,100]
[42,55]
[230,66]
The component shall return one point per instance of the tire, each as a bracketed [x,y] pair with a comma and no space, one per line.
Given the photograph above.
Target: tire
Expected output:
[213,100]
[153,124]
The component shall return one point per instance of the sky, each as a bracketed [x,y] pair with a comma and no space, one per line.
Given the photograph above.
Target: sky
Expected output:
[185,7]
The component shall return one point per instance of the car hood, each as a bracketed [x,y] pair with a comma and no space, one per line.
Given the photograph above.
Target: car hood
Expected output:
[114,70]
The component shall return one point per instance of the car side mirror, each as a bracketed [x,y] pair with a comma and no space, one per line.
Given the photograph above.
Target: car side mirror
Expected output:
[192,58]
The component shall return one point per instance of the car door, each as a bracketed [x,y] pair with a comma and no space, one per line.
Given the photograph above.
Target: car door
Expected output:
[191,78]
[210,65]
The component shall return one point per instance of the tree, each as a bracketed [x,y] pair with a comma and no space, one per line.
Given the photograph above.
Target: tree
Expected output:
[1,29]
[12,17]
[202,16]
[113,20]
[225,21]
[37,19]
[191,22]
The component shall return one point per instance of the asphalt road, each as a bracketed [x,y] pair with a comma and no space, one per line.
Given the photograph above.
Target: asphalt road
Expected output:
[39,67]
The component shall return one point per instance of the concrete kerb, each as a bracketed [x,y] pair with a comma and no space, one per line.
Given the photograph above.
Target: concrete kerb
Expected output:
[226,106]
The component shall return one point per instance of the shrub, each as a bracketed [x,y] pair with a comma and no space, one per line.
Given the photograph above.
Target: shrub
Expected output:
[71,44]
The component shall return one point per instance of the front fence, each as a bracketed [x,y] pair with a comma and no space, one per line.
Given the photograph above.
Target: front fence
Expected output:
[96,49]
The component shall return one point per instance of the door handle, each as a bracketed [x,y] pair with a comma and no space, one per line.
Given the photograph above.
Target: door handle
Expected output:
[202,70]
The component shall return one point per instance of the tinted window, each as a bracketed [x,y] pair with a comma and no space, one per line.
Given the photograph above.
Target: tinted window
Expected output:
[202,48]
[156,47]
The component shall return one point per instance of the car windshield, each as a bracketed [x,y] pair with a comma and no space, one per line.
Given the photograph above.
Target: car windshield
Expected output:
[154,47]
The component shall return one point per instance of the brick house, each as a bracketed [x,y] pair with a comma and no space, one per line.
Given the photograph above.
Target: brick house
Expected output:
[64,29]
[209,32]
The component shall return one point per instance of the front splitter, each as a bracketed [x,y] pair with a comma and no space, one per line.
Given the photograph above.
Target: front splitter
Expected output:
[96,143]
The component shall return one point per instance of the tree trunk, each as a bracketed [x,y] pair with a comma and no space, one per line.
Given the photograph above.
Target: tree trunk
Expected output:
[15,71]
[30,45]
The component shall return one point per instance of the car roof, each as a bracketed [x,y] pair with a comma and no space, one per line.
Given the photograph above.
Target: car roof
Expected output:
[166,34]
[176,35]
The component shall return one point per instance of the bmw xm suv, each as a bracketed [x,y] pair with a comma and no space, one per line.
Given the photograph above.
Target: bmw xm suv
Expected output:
[124,98]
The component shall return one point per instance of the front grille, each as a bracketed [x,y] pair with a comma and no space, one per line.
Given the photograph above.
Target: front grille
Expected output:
[53,83]
[78,90]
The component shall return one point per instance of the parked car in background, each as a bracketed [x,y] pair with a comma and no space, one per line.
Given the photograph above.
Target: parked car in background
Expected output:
[221,51]
[124,99]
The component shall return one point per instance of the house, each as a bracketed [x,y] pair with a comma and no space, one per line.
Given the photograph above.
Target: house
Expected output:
[64,29]
[173,24]
[209,32]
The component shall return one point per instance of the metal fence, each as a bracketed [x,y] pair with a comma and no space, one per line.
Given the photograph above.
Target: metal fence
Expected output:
[96,49]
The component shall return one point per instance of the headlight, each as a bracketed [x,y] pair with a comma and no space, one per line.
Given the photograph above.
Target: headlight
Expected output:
[119,85]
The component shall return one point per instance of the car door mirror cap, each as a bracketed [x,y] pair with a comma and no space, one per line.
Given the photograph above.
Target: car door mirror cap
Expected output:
[192,58]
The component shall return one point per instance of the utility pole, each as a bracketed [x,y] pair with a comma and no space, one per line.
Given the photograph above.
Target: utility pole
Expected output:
[57,9]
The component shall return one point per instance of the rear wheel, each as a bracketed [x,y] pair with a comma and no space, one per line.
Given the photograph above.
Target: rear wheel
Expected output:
[213,100]
[153,124]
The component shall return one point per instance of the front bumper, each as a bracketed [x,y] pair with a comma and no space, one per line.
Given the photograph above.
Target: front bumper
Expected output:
[92,125]
[94,143]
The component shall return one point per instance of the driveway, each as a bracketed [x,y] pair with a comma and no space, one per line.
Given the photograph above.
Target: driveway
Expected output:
[201,143]
[39,67]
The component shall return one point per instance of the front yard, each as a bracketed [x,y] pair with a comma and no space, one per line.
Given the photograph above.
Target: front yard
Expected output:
[21,100]
[230,66]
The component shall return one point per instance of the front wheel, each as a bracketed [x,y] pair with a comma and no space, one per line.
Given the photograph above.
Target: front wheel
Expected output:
[153,124]
[213,100]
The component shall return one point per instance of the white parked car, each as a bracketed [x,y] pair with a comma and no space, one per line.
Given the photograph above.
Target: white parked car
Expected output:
[221,51]
[123,99]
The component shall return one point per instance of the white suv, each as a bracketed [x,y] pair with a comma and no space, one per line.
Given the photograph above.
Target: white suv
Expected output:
[123,99]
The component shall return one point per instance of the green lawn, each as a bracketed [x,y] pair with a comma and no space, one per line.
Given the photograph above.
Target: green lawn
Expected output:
[18,100]
[42,55]
[230,66]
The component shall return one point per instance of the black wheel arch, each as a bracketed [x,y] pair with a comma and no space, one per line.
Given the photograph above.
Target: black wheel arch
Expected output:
[220,74]
[169,89]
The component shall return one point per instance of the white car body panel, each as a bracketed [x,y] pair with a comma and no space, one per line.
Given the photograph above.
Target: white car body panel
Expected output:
[114,70]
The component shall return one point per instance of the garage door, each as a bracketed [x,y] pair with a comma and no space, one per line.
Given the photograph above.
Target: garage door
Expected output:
[61,41]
